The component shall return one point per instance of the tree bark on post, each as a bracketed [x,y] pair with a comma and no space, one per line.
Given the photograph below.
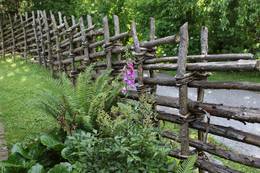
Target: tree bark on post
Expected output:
[183,88]
[138,53]
[34,24]
[117,32]
[23,22]
[12,32]
[73,73]
[42,58]
[48,42]
[107,45]
[58,49]
[84,42]
[152,37]
[93,38]
[201,93]
[2,36]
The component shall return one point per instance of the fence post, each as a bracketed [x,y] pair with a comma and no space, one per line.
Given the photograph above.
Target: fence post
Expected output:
[200,94]
[23,22]
[12,33]
[117,32]
[2,36]
[84,42]
[183,89]
[138,53]
[69,31]
[57,37]
[107,45]
[42,57]
[60,18]
[93,37]
[34,24]
[48,42]
[152,50]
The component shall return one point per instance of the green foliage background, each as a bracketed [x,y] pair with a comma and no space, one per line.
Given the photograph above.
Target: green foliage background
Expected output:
[234,25]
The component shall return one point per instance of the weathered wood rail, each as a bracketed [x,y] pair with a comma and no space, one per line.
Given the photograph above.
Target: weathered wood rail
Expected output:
[62,43]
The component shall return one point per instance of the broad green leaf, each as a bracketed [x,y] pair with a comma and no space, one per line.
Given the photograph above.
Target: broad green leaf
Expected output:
[61,168]
[18,148]
[51,142]
[37,168]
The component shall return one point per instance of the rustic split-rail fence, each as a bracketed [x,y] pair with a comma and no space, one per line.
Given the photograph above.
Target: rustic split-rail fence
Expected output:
[63,43]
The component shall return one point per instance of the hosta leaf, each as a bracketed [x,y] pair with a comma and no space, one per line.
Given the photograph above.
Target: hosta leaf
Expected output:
[51,142]
[18,148]
[37,168]
[61,168]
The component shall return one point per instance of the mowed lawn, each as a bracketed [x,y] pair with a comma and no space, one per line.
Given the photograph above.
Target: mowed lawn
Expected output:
[20,85]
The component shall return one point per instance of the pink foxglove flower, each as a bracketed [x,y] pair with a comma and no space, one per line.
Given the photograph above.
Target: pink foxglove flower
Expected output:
[128,77]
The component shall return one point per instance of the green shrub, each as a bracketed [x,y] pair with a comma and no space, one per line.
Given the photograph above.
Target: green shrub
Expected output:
[78,107]
[99,133]
[128,143]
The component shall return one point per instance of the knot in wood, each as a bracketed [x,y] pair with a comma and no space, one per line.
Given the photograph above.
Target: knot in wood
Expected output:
[71,55]
[108,47]
[59,50]
[149,55]
[85,44]
[68,31]
[139,54]
[184,80]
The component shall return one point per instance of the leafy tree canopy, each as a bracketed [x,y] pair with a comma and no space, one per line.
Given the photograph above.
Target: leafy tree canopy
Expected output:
[234,25]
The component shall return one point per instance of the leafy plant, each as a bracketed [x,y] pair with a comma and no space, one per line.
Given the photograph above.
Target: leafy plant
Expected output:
[100,133]
[188,165]
[127,143]
[78,107]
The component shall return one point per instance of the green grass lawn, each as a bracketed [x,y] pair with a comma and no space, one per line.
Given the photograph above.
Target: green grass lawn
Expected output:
[236,76]
[229,76]
[19,85]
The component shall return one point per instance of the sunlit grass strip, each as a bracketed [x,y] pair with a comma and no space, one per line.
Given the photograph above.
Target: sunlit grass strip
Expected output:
[19,84]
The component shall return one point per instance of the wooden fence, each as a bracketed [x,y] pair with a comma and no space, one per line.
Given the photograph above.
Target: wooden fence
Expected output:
[62,43]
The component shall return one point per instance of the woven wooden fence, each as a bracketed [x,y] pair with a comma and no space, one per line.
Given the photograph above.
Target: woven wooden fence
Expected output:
[62,43]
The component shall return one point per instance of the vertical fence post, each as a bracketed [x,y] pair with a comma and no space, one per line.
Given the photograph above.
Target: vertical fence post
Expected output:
[84,42]
[12,33]
[57,38]
[117,32]
[34,25]
[73,20]
[70,32]
[137,49]
[107,45]
[152,37]
[200,94]
[60,18]
[42,57]
[183,89]
[93,37]
[23,22]
[48,42]
[2,36]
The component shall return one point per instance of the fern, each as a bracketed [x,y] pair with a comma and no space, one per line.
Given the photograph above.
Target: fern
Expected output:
[80,106]
[187,165]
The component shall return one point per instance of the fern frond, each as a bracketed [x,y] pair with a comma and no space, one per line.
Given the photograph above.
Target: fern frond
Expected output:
[187,165]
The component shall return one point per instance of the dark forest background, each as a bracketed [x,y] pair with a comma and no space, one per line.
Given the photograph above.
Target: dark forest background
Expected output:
[234,25]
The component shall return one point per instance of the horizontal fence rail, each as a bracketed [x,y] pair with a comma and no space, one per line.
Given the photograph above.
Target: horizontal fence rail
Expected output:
[66,44]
